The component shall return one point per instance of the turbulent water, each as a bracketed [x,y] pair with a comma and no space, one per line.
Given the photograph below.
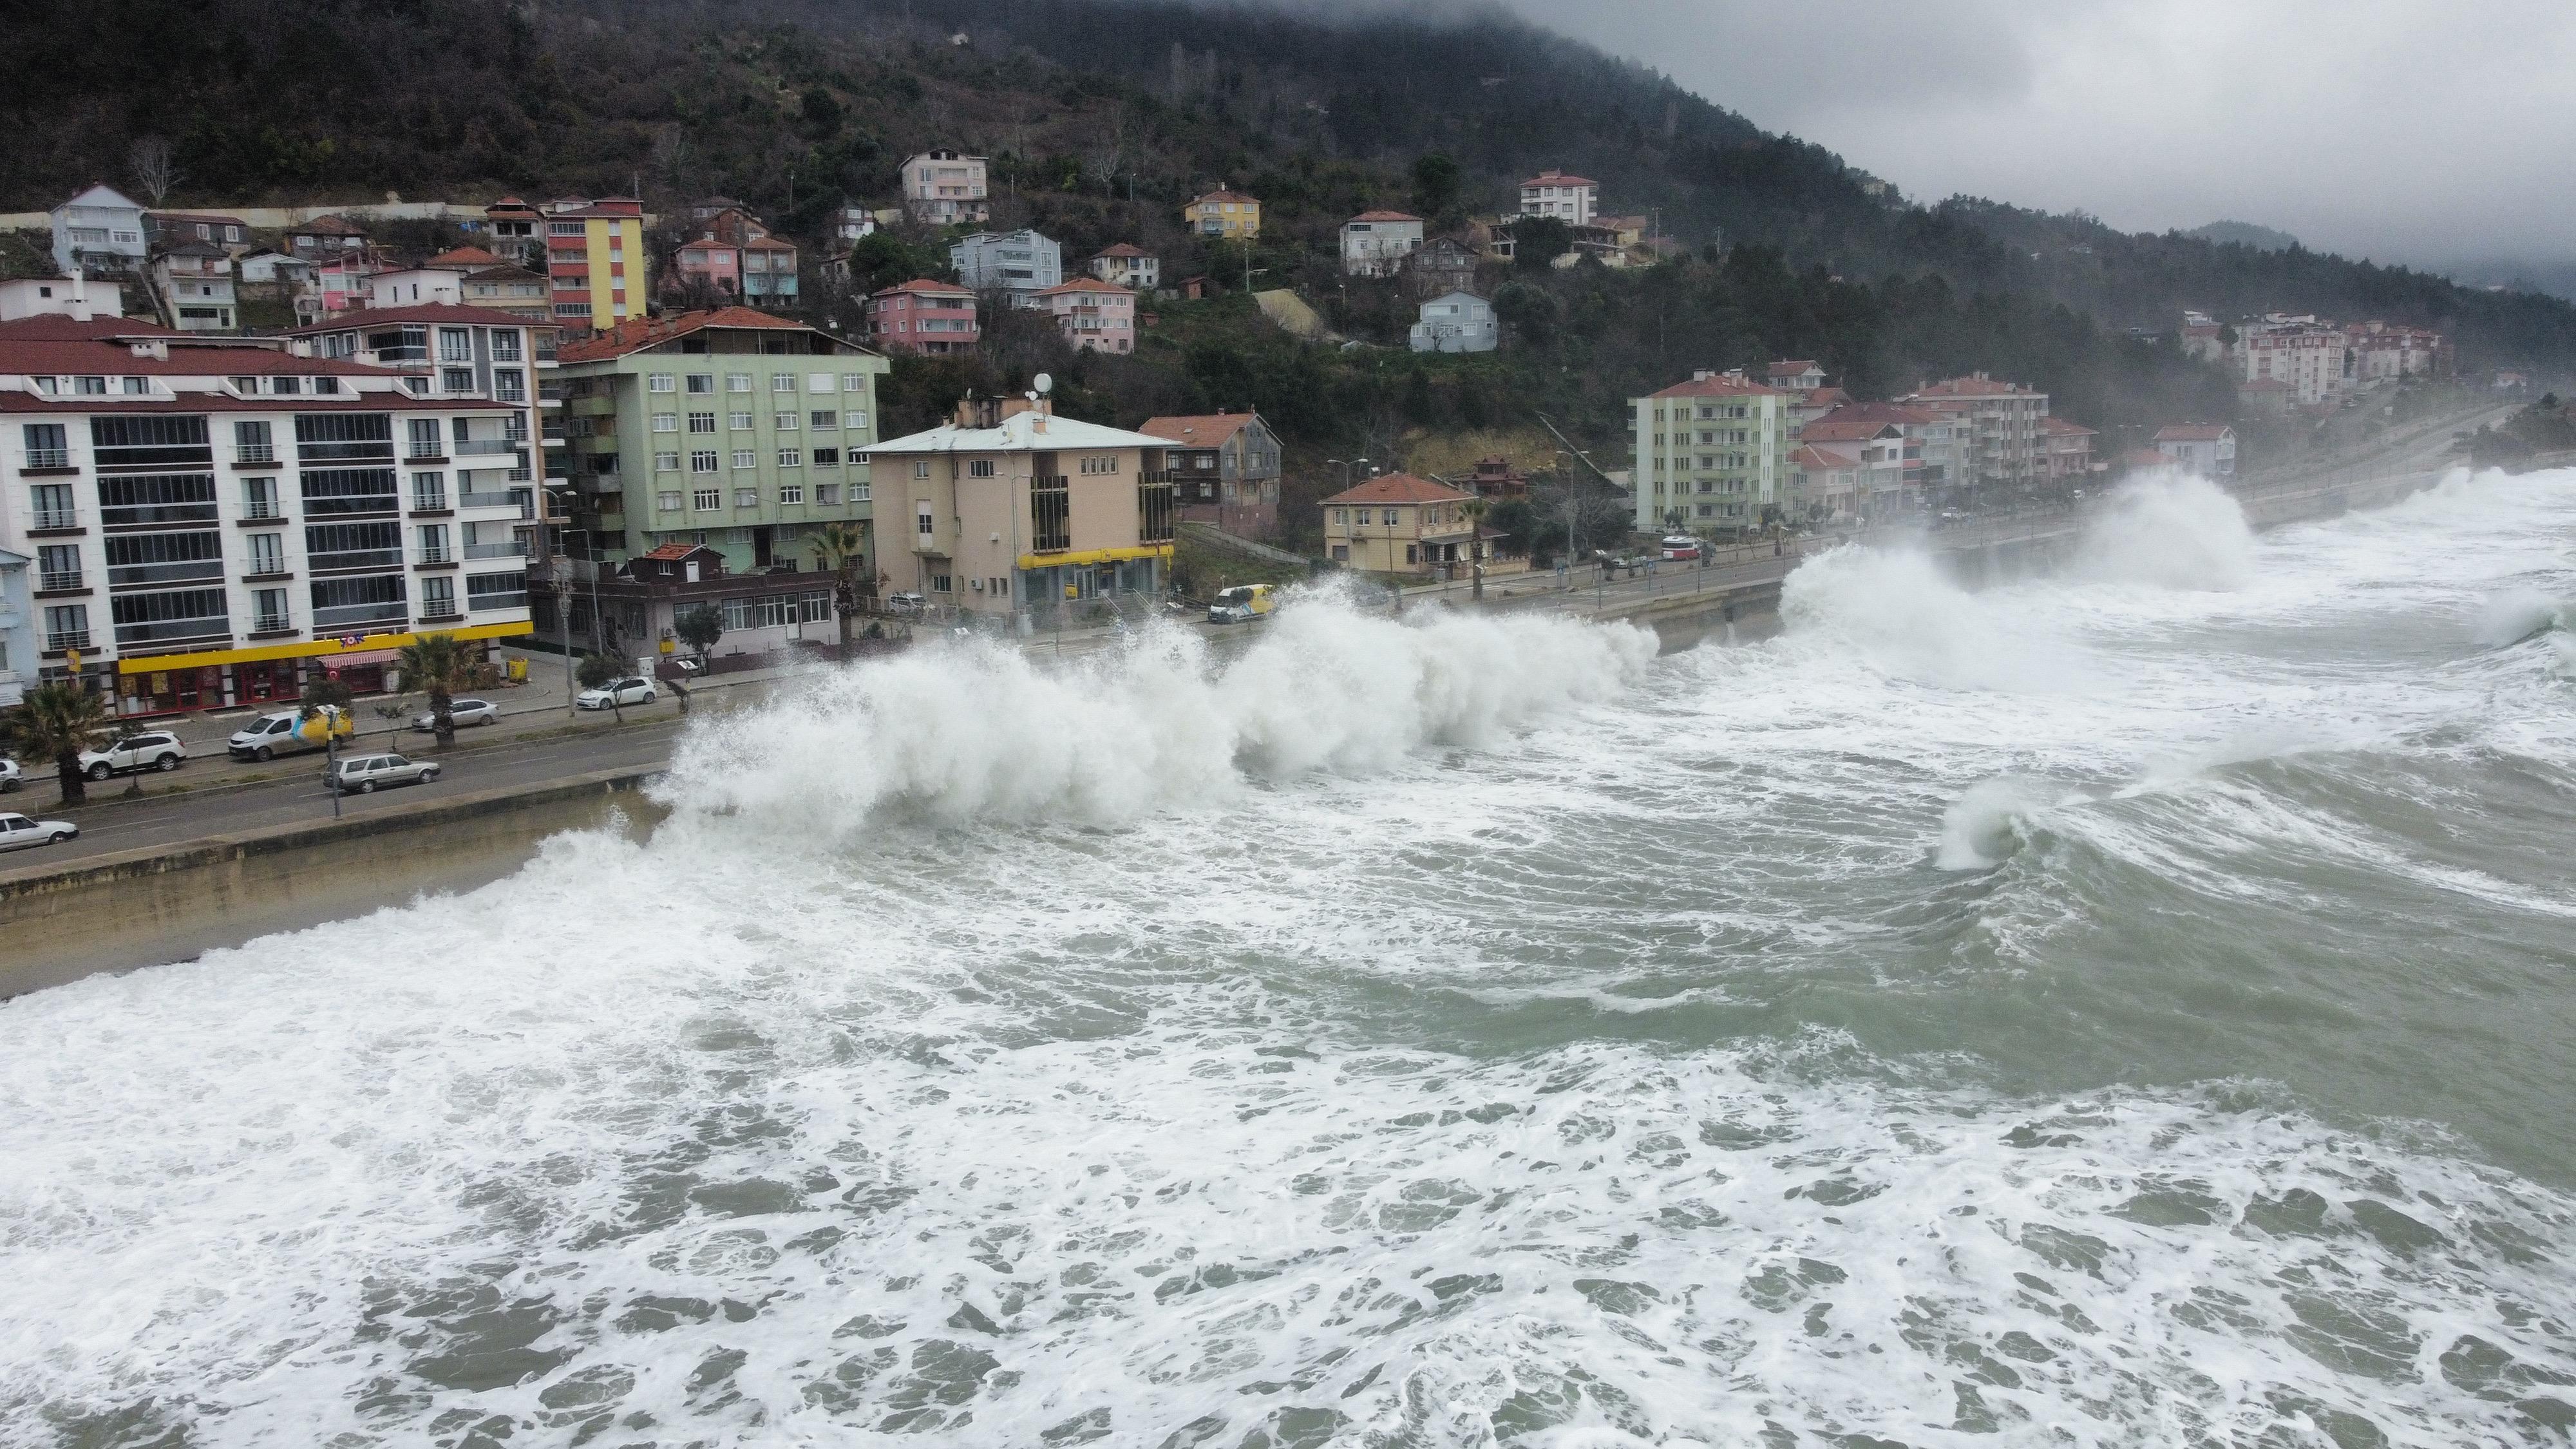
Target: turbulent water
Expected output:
[2129,1007]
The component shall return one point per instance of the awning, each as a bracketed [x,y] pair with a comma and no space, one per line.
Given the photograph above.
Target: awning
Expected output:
[1095,556]
[312,648]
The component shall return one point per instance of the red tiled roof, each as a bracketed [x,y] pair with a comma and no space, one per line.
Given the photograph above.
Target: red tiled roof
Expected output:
[1385,216]
[1557,178]
[1083,284]
[1201,430]
[2144,458]
[107,357]
[672,552]
[1826,397]
[2192,432]
[1222,195]
[463,257]
[56,327]
[923,286]
[2060,427]
[1719,387]
[1400,488]
[645,332]
[1122,249]
[1835,428]
[358,317]
[1798,364]
[1814,457]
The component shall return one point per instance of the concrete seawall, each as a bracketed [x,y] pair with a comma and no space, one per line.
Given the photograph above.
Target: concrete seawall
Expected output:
[155,905]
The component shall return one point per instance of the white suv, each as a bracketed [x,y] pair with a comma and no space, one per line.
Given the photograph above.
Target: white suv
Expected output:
[157,750]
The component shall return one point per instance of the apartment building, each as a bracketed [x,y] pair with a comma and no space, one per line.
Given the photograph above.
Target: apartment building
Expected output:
[1093,315]
[517,232]
[730,428]
[214,521]
[1574,200]
[1128,265]
[1859,469]
[1223,213]
[1021,263]
[2312,357]
[595,261]
[1996,427]
[942,187]
[1376,243]
[934,318]
[195,280]
[1224,469]
[2208,449]
[736,257]
[1400,524]
[1716,452]
[1933,444]
[2068,450]
[1017,511]
[100,229]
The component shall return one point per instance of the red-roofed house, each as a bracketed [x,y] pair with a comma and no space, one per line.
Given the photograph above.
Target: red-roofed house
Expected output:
[2068,448]
[1093,315]
[2208,449]
[1400,524]
[1574,200]
[1376,243]
[1713,455]
[935,318]
[1224,468]
[1999,424]
[1128,265]
[1798,375]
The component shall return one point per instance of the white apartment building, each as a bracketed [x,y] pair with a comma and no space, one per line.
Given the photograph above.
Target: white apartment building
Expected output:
[1716,452]
[2309,356]
[1574,200]
[943,186]
[1022,263]
[1376,243]
[1996,426]
[216,520]
[100,230]
[195,280]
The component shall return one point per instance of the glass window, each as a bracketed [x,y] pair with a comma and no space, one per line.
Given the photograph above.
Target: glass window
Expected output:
[782,382]
[820,382]
[746,498]
[703,461]
[787,422]
[791,458]
[702,382]
[737,382]
[505,344]
[979,468]
[854,381]
[824,419]
[827,495]
[702,422]
[746,458]
[706,500]
[668,500]
[738,421]
[666,462]
[660,382]
[666,422]
[791,493]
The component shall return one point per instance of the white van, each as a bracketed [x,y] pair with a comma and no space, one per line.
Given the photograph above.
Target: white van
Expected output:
[287,732]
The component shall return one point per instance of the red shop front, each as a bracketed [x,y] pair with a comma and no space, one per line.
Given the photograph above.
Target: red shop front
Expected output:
[164,691]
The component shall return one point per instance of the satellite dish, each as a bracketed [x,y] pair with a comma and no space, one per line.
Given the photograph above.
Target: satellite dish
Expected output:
[1045,383]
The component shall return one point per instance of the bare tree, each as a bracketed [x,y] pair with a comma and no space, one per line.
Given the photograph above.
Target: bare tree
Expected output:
[156,168]
[671,156]
[1107,156]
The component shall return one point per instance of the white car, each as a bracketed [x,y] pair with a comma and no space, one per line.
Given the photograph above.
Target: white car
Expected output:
[17,832]
[905,603]
[365,774]
[618,692]
[153,750]
[463,712]
[11,777]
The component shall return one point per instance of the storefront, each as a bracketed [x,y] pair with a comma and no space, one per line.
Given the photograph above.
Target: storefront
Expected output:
[248,678]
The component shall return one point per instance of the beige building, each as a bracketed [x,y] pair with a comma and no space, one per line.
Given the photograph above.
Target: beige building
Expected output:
[1008,509]
[1997,425]
[1400,524]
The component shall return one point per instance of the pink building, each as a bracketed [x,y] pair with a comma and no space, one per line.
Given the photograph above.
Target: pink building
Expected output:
[1092,313]
[923,316]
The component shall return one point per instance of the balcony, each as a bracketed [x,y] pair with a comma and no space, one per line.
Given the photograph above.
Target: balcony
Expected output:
[128,576]
[271,624]
[476,447]
[486,500]
[435,557]
[39,459]
[482,603]
[512,549]
[59,640]
[429,500]
[356,558]
[340,615]
[255,453]
[54,520]
[170,631]
[51,582]
[425,452]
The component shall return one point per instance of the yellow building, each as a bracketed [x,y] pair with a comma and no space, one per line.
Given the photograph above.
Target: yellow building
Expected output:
[1400,524]
[1224,213]
[595,260]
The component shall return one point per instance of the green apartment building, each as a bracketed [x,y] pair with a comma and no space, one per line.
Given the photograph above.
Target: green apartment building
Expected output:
[730,429]
[1713,456]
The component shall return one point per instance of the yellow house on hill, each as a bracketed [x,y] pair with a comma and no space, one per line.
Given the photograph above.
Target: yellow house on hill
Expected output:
[1224,213]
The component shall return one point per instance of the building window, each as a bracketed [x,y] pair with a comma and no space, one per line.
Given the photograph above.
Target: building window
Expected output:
[706,500]
[746,498]
[259,498]
[668,500]
[737,382]
[660,382]
[702,422]
[979,468]
[921,468]
[703,461]
[438,597]
[827,495]
[510,385]
[666,422]
[666,462]
[505,344]
[791,493]
[790,458]
[939,584]
[827,457]
[782,382]
[787,422]
[746,458]
[738,421]
[702,382]
[432,538]
[824,419]
[820,382]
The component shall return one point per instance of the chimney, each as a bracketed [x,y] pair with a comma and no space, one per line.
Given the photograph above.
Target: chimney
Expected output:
[80,295]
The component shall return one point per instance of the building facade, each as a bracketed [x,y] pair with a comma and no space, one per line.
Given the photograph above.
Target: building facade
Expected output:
[1015,511]
[1400,524]
[100,230]
[1129,266]
[2068,449]
[732,428]
[17,627]
[1223,213]
[934,318]
[1093,315]
[195,280]
[1441,265]
[215,521]
[1224,468]
[1716,450]
[1377,243]
[736,257]
[1996,426]
[1457,322]
[595,263]
[942,187]
[2208,449]
[1574,200]
[1021,263]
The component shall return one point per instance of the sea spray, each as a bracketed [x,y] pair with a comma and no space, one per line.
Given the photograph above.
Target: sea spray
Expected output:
[1984,826]
[1896,610]
[974,730]
[2171,530]
[2517,614]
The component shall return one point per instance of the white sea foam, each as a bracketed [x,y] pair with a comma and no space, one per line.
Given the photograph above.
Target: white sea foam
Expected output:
[2171,529]
[2517,614]
[1983,825]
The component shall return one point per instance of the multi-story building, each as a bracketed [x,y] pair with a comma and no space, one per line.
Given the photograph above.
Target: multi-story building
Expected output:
[1860,469]
[1574,200]
[1998,424]
[936,318]
[2208,449]
[2068,448]
[1795,375]
[1457,322]
[341,281]
[1932,443]
[1376,243]
[195,280]
[17,627]
[2380,352]
[851,224]
[1093,315]
[1716,449]
[737,258]
[732,428]
[595,260]
[1440,266]
[325,237]
[1224,469]
[1128,265]
[100,229]
[216,520]
[1021,263]
[1223,213]
[942,187]
[170,228]
[1400,524]
[517,232]
[1016,510]
[2313,357]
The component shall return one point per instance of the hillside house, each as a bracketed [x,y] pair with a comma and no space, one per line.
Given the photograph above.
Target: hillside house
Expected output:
[1224,469]
[2208,449]
[1376,243]
[195,280]
[1457,322]
[1020,263]
[100,230]
[1223,213]
[932,318]
[1128,265]
[944,186]
[1574,200]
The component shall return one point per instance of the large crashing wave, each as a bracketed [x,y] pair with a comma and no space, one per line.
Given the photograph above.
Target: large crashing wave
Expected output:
[2171,530]
[977,731]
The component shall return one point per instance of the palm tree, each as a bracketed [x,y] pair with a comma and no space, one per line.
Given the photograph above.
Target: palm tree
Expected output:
[57,721]
[1475,509]
[839,548]
[439,666]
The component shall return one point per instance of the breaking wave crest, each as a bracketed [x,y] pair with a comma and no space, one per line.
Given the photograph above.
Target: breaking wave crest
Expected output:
[2170,530]
[977,731]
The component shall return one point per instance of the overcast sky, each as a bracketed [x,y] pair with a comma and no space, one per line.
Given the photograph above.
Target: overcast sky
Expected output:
[2399,129]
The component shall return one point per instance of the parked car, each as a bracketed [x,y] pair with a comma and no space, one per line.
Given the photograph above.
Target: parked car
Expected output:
[11,777]
[1241,604]
[464,712]
[618,692]
[905,603]
[17,832]
[362,774]
[1681,546]
[151,750]
[287,732]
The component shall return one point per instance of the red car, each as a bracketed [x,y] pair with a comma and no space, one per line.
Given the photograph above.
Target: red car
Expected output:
[1681,546]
